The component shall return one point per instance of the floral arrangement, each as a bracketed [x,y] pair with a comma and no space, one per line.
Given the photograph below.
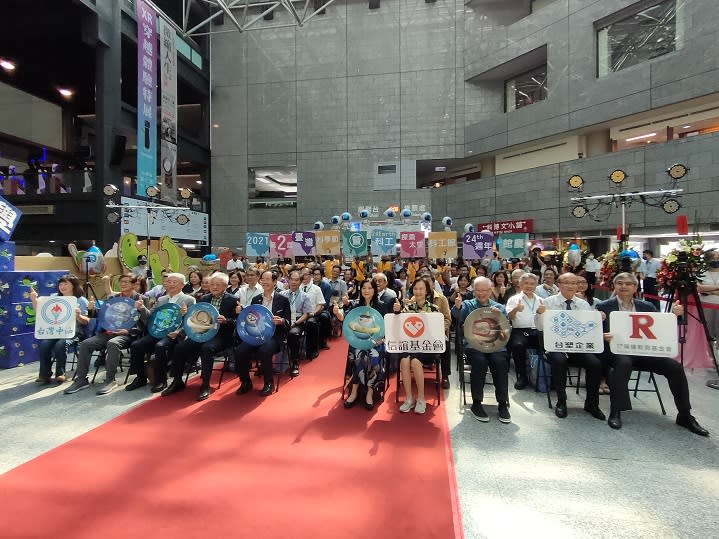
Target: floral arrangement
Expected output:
[612,262]
[696,261]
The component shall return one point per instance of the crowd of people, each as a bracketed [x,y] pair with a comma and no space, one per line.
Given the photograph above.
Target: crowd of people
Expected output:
[309,300]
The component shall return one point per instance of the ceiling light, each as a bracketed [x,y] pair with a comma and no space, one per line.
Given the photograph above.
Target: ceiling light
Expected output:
[671,205]
[7,65]
[576,181]
[152,191]
[640,137]
[198,182]
[440,169]
[110,190]
[215,125]
[686,126]
[182,219]
[677,171]
[113,217]
[185,193]
[618,176]
[579,211]
[65,92]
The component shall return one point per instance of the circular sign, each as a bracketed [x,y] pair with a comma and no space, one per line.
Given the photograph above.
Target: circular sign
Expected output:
[363,327]
[118,313]
[486,329]
[254,325]
[56,311]
[164,319]
[356,240]
[200,323]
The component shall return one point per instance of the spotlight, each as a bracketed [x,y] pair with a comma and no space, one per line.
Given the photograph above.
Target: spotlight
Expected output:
[346,217]
[427,217]
[182,219]
[389,213]
[671,205]
[335,219]
[406,213]
[65,92]
[677,171]
[364,214]
[185,193]
[7,65]
[113,217]
[468,228]
[618,176]
[319,225]
[579,211]
[447,221]
[110,190]
[576,181]
[152,191]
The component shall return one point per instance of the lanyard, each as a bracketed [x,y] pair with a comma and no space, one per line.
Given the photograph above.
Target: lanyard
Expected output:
[534,302]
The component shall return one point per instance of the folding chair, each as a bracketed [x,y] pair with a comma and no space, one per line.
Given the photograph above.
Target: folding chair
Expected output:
[652,381]
[437,378]
[379,394]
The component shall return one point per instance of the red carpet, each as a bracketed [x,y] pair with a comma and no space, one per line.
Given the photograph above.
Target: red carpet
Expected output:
[296,464]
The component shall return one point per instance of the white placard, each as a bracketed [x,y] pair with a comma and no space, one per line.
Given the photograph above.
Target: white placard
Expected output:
[55,317]
[163,222]
[422,333]
[643,334]
[573,331]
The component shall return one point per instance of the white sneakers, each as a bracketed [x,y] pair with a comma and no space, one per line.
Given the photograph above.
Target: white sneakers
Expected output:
[419,406]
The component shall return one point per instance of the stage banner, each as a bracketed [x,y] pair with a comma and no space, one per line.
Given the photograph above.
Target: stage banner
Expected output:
[328,242]
[643,334]
[500,227]
[146,97]
[414,332]
[168,112]
[513,245]
[303,244]
[442,245]
[258,244]
[280,245]
[354,243]
[9,218]
[477,245]
[384,242]
[411,245]
[573,331]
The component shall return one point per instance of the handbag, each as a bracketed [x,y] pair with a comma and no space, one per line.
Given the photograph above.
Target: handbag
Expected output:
[539,371]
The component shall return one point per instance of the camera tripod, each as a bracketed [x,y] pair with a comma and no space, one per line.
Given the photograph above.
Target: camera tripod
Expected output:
[682,288]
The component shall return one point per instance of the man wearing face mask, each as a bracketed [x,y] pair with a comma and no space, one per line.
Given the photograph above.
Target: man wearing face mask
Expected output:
[649,268]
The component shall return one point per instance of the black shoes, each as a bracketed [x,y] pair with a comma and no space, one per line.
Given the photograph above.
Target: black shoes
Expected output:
[175,387]
[689,422]
[136,383]
[160,386]
[615,420]
[445,383]
[521,382]
[560,410]
[245,387]
[503,413]
[294,370]
[478,412]
[323,346]
[204,392]
[595,412]
[266,389]
[369,405]
[349,404]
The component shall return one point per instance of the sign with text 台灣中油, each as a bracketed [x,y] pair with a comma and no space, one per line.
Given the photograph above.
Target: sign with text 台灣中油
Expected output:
[55,317]
[303,244]
[354,243]
[411,245]
[384,242]
[280,245]
[477,245]
[643,334]
[146,96]
[513,245]
[9,217]
[442,245]
[258,244]
[328,242]
[573,331]
[502,227]
[421,333]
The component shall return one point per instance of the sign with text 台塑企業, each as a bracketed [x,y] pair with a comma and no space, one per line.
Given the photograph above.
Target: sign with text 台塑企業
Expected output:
[573,331]
[55,317]
[477,245]
[354,243]
[384,242]
[643,334]
[303,244]
[258,244]
[9,217]
[442,245]
[328,242]
[421,333]
[513,245]
[411,245]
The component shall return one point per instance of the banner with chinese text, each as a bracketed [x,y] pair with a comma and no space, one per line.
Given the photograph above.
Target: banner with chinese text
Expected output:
[442,245]
[501,227]
[477,245]
[354,243]
[302,244]
[414,332]
[644,334]
[328,242]
[513,245]
[168,112]
[411,245]
[573,331]
[280,245]
[146,97]
[258,244]
[384,242]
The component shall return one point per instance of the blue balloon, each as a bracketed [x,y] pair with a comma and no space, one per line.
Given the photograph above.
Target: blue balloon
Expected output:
[209,258]
[389,213]
[93,249]
[346,216]
[574,247]
[406,213]
[426,216]
[630,253]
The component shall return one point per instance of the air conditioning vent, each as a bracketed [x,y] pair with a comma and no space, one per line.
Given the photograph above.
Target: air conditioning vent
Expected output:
[386,169]
[38,209]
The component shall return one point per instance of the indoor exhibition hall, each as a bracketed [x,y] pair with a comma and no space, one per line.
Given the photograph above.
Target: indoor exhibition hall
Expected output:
[359,268]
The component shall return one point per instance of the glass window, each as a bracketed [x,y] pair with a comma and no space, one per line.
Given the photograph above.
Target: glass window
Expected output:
[526,89]
[646,34]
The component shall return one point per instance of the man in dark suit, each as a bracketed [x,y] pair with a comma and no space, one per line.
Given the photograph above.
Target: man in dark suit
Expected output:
[625,287]
[188,350]
[244,352]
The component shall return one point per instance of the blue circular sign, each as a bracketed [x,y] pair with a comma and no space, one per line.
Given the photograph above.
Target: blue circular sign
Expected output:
[165,319]
[363,327]
[118,312]
[254,325]
[200,323]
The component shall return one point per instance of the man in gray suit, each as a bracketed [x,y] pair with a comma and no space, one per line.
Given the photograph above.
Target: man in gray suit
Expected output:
[162,347]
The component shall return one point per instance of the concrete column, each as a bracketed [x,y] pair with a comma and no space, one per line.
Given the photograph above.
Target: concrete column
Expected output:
[487,167]
[598,143]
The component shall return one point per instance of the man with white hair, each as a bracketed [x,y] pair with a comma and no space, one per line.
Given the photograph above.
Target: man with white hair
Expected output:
[385,295]
[188,350]
[162,347]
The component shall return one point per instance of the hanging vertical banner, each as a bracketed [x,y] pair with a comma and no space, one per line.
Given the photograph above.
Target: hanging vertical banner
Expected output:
[384,242]
[354,243]
[280,245]
[477,245]
[168,112]
[303,244]
[328,242]
[411,245]
[258,244]
[513,245]
[146,96]
[442,245]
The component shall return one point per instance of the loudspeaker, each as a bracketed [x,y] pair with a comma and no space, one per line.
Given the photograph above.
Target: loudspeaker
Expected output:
[118,150]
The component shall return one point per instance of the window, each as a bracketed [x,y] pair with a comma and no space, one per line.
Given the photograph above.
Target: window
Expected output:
[636,38]
[273,183]
[526,89]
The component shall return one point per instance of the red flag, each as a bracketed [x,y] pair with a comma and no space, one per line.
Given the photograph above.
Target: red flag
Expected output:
[682,225]
[619,233]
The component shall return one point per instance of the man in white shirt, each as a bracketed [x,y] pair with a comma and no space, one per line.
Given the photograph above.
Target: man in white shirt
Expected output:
[648,269]
[522,310]
[317,299]
[235,263]
[251,288]
[301,309]
[567,301]
[548,288]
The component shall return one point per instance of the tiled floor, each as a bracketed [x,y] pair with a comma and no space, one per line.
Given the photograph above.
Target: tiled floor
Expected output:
[537,477]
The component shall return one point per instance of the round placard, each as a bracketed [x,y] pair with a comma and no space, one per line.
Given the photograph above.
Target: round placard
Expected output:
[486,330]
[363,327]
[118,313]
[254,325]
[164,319]
[200,323]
